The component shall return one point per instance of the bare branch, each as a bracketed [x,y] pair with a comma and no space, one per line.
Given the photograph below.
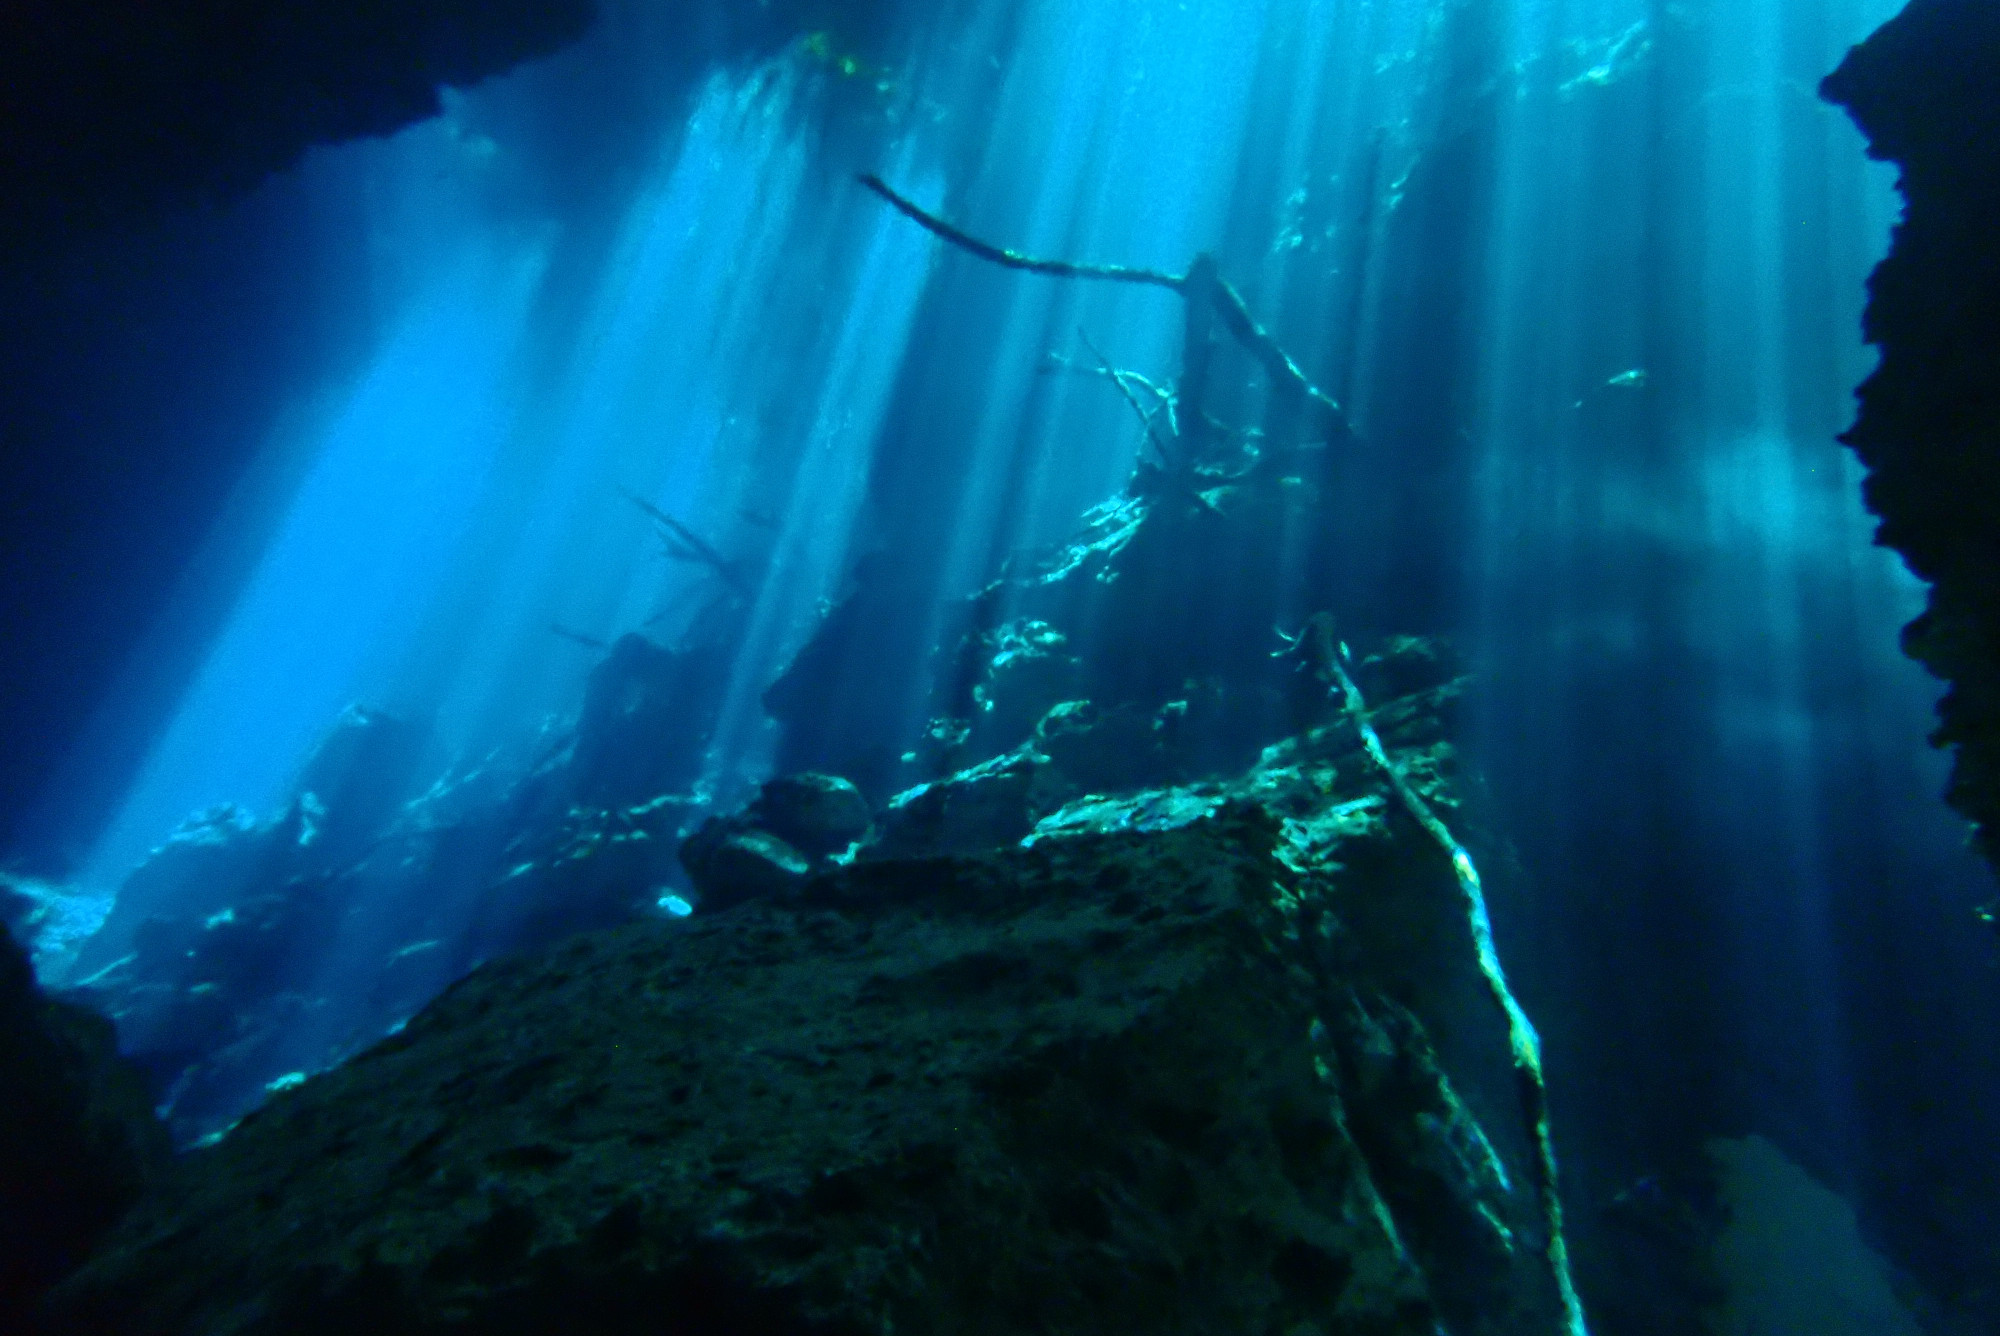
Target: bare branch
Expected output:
[1328,656]
[579,637]
[1201,287]
[930,222]
[1056,361]
[1278,365]
[685,544]
[1145,418]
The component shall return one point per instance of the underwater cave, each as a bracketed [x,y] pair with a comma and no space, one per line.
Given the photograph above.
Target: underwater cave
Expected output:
[1287,667]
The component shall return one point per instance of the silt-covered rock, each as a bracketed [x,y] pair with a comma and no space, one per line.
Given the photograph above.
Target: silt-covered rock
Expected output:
[1104,1083]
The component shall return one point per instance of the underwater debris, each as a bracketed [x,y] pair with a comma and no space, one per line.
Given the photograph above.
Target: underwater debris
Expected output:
[684,544]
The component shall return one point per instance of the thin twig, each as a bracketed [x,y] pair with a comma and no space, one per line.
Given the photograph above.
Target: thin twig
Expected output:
[1145,420]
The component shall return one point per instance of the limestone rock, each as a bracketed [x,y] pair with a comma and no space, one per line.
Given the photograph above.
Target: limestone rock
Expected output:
[731,861]
[992,804]
[816,814]
[1104,1084]
[1920,88]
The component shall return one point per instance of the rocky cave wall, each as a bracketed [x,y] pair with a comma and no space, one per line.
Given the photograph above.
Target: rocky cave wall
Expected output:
[117,108]
[1921,89]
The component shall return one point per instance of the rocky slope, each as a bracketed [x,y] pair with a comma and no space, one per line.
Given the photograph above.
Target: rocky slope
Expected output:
[1145,1073]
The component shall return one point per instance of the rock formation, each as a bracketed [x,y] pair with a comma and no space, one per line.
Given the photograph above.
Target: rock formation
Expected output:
[114,108]
[78,1140]
[1921,89]
[1162,1068]
[1144,1002]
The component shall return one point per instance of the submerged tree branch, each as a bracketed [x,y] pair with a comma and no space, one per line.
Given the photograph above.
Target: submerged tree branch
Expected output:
[1317,645]
[1116,273]
[1286,377]
[684,544]
[1117,378]
[1205,291]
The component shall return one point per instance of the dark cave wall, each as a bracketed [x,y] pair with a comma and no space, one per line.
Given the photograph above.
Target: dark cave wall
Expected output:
[1922,90]
[114,108]
[78,1139]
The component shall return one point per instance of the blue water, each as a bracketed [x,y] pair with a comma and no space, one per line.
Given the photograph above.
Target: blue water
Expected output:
[1603,457]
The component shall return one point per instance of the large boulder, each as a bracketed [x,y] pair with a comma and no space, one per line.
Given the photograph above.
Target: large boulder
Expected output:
[730,860]
[819,815]
[1137,1081]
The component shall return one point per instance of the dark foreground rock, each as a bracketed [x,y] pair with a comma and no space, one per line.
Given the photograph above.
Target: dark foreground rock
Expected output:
[1928,430]
[115,107]
[1129,1082]
[78,1140]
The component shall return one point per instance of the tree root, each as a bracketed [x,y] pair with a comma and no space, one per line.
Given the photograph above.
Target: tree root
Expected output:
[1315,643]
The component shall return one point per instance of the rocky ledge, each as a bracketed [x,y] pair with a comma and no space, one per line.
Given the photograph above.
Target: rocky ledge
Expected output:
[1166,1065]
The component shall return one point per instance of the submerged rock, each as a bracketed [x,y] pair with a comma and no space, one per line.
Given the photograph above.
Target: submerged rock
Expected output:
[78,1140]
[793,829]
[1921,89]
[816,814]
[730,861]
[994,803]
[1108,1083]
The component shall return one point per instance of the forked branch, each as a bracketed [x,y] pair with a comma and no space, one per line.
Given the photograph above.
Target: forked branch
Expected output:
[684,544]
[1201,287]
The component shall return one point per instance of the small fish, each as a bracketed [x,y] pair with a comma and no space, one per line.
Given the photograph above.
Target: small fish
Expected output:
[1635,379]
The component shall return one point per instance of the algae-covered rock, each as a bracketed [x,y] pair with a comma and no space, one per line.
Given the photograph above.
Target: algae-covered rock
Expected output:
[731,861]
[1107,1083]
[994,803]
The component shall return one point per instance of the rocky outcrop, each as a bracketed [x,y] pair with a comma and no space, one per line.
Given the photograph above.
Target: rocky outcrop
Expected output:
[1130,1076]
[78,1140]
[113,108]
[1928,430]
[797,826]
[217,961]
